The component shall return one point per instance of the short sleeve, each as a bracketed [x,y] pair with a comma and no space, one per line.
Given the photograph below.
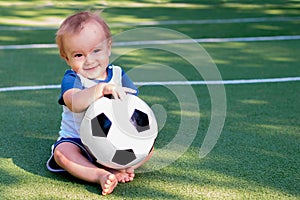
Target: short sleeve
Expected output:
[126,82]
[70,80]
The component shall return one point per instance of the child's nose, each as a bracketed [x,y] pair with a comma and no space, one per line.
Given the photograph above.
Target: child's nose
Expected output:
[89,59]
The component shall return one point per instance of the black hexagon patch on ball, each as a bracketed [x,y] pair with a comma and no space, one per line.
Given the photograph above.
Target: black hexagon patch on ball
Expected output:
[100,125]
[123,157]
[140,120]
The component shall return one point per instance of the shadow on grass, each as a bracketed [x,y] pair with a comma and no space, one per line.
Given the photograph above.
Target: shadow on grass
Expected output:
[28,129]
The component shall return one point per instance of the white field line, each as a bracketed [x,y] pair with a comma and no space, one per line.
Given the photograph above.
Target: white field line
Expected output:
[166,83]
[170,22]
[161,42]
[210,40]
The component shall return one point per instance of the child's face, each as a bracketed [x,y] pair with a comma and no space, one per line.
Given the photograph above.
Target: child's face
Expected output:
[88,51]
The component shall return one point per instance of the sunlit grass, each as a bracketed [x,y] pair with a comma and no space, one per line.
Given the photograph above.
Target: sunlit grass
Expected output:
[44,13]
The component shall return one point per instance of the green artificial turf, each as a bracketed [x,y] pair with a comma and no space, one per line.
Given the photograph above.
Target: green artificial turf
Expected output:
[257,155]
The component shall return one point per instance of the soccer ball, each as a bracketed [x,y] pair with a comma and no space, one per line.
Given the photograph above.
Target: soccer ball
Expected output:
[119,133]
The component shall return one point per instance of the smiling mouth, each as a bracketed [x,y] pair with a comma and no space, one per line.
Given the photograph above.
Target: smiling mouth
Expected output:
[91,68]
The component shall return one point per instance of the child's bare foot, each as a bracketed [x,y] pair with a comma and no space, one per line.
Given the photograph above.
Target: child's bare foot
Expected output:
[130,172]
[108,183]
[124,175]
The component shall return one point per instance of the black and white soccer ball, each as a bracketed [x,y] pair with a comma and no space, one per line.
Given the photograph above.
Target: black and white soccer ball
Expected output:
[119,133]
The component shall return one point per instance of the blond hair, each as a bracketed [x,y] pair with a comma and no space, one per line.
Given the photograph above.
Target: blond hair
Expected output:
[75,23]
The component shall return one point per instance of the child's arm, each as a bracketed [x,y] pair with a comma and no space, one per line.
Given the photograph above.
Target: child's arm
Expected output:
[79,100]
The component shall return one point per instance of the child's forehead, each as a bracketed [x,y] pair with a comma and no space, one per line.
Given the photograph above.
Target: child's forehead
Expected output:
[85,40]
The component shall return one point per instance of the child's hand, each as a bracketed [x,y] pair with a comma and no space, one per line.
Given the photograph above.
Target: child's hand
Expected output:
[118,92]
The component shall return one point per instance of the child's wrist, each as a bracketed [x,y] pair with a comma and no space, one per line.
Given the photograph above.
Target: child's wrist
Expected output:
[100,90]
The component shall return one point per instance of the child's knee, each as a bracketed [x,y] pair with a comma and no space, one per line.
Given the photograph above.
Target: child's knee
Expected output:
[59,156]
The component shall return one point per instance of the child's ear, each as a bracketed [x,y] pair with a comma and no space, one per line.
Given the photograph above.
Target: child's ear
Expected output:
[67,60]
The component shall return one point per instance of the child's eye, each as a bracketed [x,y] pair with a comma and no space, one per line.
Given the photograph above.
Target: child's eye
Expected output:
[78,55]
[97,50]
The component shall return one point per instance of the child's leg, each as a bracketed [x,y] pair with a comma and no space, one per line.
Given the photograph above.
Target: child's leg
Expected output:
[69,157]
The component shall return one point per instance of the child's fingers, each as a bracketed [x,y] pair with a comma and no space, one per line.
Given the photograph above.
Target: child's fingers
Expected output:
[129,90]
[120,92]
[115,94]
